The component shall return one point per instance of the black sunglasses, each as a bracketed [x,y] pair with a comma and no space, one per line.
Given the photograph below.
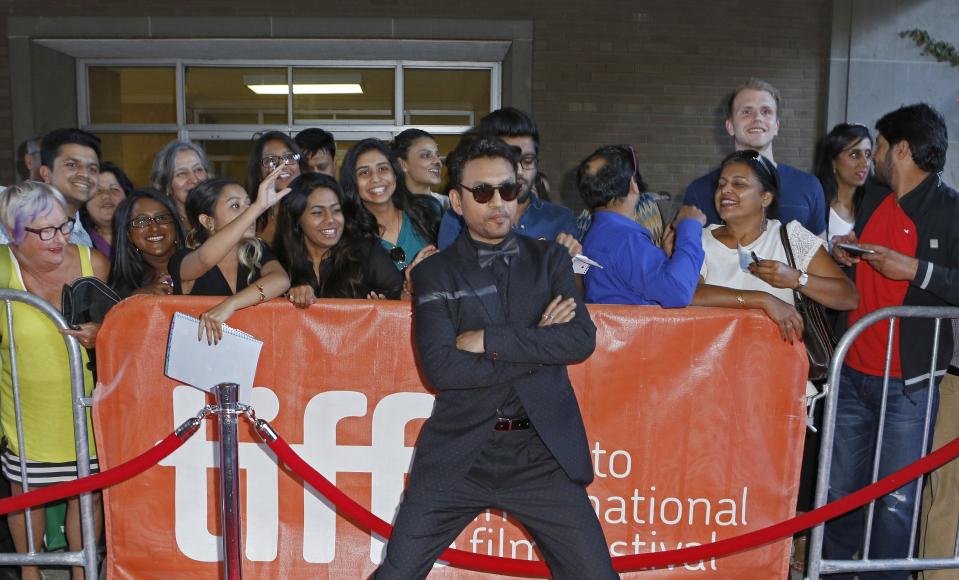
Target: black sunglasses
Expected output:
[483,192]
[397,254]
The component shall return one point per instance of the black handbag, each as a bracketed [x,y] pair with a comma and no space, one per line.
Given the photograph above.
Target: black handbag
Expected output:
[817,334]
[86,299]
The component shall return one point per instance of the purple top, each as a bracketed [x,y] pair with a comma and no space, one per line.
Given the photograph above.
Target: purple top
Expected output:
[100,243]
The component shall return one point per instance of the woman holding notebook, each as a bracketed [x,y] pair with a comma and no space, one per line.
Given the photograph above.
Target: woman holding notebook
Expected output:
[223,255]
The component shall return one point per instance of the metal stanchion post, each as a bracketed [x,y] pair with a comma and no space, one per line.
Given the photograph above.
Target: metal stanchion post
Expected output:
[226,399]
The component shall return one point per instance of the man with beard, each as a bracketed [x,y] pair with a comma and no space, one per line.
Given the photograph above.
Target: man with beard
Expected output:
[497,319]
[752,120]
[912,241]
[535,217]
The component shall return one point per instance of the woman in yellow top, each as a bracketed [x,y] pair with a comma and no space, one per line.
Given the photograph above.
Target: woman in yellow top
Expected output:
[40,260]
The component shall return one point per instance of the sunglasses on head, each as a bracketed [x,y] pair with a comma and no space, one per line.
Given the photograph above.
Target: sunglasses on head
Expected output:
[483,192]
[765,165]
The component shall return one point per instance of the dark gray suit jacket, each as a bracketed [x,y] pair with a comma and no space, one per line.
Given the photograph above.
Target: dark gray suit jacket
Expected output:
[454,295]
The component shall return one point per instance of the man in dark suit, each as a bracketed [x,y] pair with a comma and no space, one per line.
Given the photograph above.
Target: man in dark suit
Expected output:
[497,319]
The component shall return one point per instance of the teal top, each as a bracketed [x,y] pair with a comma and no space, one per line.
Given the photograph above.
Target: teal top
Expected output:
[409,241]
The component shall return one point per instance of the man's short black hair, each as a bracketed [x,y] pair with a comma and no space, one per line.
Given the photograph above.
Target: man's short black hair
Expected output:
[923,128]
[473,146]
[611,181]
[315,139]
[509,122]
[52,141]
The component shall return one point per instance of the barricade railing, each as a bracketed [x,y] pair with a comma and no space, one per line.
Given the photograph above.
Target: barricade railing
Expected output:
[227,410]
[816,565]
[87,556]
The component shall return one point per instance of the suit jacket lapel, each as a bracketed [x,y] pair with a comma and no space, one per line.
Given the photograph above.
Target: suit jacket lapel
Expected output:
[478,280]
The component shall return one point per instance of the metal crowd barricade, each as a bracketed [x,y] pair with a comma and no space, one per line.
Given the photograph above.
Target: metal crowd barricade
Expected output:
[87,557]
[816,566]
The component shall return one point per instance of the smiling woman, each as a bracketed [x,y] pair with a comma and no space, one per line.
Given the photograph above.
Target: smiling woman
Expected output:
[97,214]
[39,260]
[326,249]
[148,232]
[272,152]
[406,224]
[745,198]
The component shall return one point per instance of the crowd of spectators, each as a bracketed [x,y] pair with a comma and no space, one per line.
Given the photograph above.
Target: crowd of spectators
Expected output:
[294,230]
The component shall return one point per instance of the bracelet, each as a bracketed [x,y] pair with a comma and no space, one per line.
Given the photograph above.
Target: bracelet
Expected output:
[262,293]
[741,300]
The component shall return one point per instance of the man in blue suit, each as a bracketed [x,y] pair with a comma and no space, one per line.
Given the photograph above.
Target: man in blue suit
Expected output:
[497,319]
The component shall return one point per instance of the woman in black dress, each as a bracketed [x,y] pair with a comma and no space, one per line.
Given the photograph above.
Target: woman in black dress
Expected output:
[224,257]
[325,248]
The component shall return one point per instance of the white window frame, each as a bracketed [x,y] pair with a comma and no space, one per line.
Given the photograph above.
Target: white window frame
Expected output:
[340,128]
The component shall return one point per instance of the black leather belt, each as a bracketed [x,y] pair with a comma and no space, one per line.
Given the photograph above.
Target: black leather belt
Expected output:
[504,424]
[953,371]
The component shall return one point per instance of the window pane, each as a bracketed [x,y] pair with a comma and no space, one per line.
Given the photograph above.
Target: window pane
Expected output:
[134,152]
[324,94]
[132,94]
[240,96]
[445,97]
[228,159]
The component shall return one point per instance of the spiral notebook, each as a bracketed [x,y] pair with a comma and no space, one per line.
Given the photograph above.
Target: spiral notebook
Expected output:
[196,363]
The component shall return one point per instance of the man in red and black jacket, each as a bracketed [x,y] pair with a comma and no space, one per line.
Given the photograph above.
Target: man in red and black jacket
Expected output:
[911,236]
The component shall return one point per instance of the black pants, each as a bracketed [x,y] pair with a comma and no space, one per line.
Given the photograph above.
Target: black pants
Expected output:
[516,473]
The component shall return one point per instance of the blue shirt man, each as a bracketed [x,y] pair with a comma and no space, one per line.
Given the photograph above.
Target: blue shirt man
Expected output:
[753,123]
[634,270]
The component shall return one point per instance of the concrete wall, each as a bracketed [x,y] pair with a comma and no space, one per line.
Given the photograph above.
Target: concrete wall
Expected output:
[873,71]
[651,73]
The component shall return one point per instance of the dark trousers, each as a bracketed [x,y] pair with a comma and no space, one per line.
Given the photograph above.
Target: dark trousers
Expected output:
[516,473]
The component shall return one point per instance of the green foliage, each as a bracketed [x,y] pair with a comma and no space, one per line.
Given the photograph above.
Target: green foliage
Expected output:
[939,50]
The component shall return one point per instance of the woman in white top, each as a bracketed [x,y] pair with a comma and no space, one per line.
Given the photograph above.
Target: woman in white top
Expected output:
[843,162]
[746,264]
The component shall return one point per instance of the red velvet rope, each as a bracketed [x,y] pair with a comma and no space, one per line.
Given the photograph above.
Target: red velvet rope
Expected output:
[362,517]
[120,473]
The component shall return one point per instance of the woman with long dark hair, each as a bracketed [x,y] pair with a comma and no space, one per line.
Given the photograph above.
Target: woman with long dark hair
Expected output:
[272,151]
[843,162]
[224,257]
[419,157]
[406,224]
[324,248]
[147,232]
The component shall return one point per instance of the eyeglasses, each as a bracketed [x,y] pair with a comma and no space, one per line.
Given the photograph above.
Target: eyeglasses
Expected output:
[48,232]
[483,192]
[528,162]
[273,161]
[398,254]
[144,221]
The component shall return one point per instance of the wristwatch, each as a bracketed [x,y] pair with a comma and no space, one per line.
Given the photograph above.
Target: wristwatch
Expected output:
[803,280]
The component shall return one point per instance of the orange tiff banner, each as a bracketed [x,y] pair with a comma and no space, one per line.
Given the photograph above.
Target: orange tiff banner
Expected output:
[695,419]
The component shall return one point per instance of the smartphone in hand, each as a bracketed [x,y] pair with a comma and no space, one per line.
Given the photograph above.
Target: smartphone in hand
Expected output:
[855,250]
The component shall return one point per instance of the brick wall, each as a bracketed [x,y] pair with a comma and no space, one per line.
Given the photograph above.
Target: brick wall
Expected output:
[651,73]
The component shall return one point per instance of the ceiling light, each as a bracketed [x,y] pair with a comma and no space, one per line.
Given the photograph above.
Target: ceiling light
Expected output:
[309,89]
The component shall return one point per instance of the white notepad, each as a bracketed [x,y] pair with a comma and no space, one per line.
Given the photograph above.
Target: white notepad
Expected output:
[196,363]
